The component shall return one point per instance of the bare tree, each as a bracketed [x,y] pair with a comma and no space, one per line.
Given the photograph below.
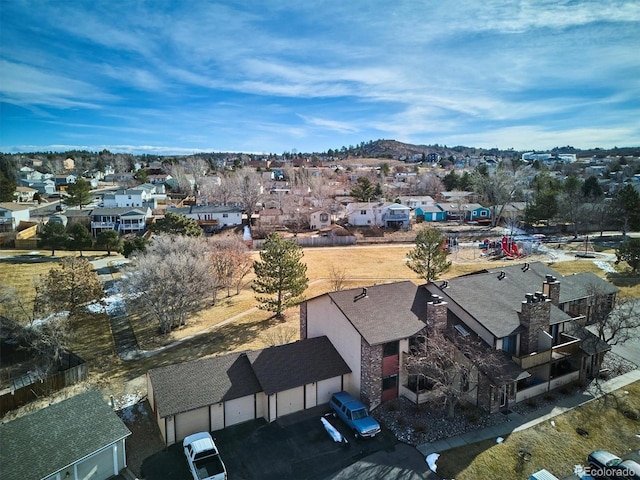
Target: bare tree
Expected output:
[279,335]
[446,364]
[230,263]
[68,288]
[496,190]
[180,178]
[337,277]
[430,184]
[614,324]
[169,281]
[248,190]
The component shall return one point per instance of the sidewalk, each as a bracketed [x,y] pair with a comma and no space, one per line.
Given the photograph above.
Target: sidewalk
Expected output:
[519,422]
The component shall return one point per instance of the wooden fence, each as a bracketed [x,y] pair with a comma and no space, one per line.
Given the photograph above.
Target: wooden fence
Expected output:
[75,371]
[315,241]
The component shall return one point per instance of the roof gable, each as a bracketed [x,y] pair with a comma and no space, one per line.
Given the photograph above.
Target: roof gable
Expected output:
[387,313]
[57,436]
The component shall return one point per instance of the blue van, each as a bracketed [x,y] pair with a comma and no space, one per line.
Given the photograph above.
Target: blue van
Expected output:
[354,414]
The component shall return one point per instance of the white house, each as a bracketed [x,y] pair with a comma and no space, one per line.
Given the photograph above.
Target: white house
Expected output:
[381,214]
[415,201]
[319,218]
[124,198]
[121,219]
[11,214]
[211,215]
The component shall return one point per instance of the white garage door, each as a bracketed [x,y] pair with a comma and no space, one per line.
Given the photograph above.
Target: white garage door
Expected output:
[290,401]
[97,467]
[328,387]
[191,422]
[239,410]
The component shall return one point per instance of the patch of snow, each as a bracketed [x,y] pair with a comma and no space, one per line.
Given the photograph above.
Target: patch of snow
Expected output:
[606,266]
[431,460]
[50,318]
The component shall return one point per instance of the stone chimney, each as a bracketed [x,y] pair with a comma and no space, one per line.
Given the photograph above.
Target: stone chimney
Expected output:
[535,314]
[551,288]
[437,313]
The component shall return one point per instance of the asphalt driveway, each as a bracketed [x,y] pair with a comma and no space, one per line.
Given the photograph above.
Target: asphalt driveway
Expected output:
[298,447]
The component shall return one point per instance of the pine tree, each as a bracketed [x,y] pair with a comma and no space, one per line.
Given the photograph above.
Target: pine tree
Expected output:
[80,238]
[176,224]
[429,258]
[79,193]
[363,190]
[281,278]
[110,240]
[54,235]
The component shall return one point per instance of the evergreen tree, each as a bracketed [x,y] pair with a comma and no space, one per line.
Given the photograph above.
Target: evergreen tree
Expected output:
[429,258]
[54,235]
[176,224]
[79,193]
[80,238]
[280,275]
[629,252]
[7,188]
[363,190]
[451,181]
[109,240]
[135,244]
[627,208]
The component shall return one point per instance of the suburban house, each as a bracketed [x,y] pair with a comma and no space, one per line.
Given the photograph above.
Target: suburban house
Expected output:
[121,219]
[45,186]
[319,219]
[11,214]
[430,213]
[24,194]
[536,319]
[63,180]
[381,214]
[77,438]
[125,198]
[415,201]
[468,212]
[215,216]
[217,392]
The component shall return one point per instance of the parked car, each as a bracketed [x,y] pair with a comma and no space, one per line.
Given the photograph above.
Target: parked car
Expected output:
[203,457]
[629,470]
[354,414]
[603,464]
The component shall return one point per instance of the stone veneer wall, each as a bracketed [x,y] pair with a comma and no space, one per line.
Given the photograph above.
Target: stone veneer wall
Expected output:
[484,393]
[551,288]
[437,314]
[303,321]
[371,374]
[534,317]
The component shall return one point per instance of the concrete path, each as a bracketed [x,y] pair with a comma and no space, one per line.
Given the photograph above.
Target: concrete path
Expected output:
[521,422]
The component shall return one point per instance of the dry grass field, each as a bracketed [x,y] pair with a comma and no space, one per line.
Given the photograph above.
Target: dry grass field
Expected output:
[557,448]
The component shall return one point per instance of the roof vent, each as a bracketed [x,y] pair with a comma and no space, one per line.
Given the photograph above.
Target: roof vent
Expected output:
[525,267]
[445,284]
[501,275]
[529,297]
[361,295]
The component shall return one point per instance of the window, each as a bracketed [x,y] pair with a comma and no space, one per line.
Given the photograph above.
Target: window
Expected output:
[363,212]
[390,382]
[415,343]
[324,217]
[390,349]
[509,344]
[225,215]
[483,213]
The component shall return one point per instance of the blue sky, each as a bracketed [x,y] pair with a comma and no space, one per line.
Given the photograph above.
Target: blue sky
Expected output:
[278,76]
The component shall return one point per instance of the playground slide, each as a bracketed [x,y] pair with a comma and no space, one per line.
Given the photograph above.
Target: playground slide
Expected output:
[510,249]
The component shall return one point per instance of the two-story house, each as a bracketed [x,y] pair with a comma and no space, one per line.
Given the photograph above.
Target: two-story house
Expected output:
[11,214]
[211,216]
[121,219]
[526,311]
[380,214]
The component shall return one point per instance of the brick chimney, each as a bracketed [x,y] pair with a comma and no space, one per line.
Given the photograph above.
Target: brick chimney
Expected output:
[535,314]
[551,288]
[437,313]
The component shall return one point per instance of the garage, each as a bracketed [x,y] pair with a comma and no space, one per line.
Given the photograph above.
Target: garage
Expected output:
[217,392]
[290,401]
[239,410]
[99,465]
[327,387]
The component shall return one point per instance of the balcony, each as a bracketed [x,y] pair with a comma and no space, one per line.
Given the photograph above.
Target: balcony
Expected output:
[533,360]
[569,346]
[103,225]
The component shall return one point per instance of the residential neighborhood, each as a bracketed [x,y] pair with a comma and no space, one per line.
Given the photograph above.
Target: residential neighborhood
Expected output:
[525,312]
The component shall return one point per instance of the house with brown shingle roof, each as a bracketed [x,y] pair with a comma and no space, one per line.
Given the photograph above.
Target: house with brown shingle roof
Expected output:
[529,312]
[217,392]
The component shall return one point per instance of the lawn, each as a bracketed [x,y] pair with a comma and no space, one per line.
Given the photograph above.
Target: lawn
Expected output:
[557,448]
